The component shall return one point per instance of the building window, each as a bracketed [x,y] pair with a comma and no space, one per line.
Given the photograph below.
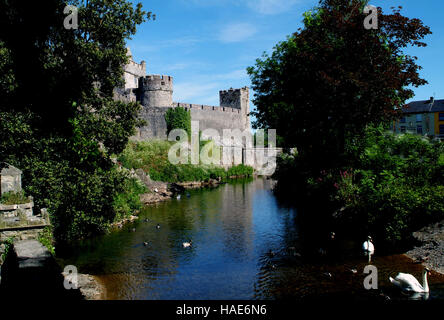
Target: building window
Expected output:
[403,129]
[441,129]
[441,116]
[419,129]
[403,120]
[419,118]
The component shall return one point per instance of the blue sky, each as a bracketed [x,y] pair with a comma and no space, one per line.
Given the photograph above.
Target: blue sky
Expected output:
[206,45]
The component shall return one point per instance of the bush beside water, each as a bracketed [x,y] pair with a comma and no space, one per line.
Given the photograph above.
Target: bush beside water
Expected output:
[392,186]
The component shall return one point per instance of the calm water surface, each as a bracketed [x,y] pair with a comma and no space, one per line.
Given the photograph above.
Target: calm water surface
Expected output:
[232,228]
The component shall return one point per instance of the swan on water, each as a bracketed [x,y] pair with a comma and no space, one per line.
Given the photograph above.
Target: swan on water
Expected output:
[187,244]
[408,283]
[368,247]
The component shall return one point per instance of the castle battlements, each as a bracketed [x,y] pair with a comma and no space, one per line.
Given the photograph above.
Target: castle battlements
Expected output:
[191,106]
[156,82]
[155,94]
[231,90]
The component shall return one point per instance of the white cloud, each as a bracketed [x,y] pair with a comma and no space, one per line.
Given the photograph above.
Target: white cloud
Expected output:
[237,32]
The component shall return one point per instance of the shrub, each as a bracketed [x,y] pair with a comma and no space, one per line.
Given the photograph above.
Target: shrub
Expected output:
[46,238]
[392,186]
[240,170]
[12,197]
[127,201]
[397,188]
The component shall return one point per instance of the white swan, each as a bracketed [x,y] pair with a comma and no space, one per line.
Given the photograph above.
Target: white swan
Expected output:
[407,282]
[368,247]
[187,244]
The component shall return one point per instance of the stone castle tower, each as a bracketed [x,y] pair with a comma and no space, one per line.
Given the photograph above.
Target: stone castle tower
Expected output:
[155,94]
[238,99]
[156,91]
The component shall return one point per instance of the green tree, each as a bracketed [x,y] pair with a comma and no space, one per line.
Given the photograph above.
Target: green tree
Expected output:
[59,120]
[333,77]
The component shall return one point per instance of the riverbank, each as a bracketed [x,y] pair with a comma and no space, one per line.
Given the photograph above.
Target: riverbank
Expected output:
[28,261]
[160,191]
[430,252]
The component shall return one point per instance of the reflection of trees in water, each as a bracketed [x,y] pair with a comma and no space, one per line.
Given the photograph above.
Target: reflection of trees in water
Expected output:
[236,219]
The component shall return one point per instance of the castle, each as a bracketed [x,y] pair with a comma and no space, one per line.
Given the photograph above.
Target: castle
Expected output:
[155,94]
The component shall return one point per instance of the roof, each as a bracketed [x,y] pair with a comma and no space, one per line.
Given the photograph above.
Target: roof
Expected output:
[424,106]
[7,169]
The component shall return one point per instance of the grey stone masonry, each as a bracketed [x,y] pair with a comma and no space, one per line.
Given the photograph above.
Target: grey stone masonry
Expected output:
[11,178]
[31,254]
[133,71]
[155,92]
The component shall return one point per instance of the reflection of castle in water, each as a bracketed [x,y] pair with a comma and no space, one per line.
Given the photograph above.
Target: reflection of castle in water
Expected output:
[237,216]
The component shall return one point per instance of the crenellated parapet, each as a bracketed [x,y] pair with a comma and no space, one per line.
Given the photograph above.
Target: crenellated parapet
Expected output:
[156,91]
[156,82]
[155,94]
[196,107]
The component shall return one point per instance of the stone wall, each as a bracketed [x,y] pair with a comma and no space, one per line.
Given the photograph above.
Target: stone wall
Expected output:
[134,71]
[239,99]
[10,179]
[218,118]
[156,127]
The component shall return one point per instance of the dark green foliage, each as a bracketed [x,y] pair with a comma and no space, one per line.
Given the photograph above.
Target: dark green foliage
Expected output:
[391,191]
[59,120]
[127,201]
[178,118]
[332,78]
[46,238]
[323,89]
[8,245]
[394,190]
[239,171]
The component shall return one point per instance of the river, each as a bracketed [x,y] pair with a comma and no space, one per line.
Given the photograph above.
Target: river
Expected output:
[233,228]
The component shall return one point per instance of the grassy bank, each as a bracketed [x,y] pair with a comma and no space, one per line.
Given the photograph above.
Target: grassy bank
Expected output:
[127,201]
[152,157]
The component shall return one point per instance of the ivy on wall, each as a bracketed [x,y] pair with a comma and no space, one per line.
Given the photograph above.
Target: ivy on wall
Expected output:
[178,118]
